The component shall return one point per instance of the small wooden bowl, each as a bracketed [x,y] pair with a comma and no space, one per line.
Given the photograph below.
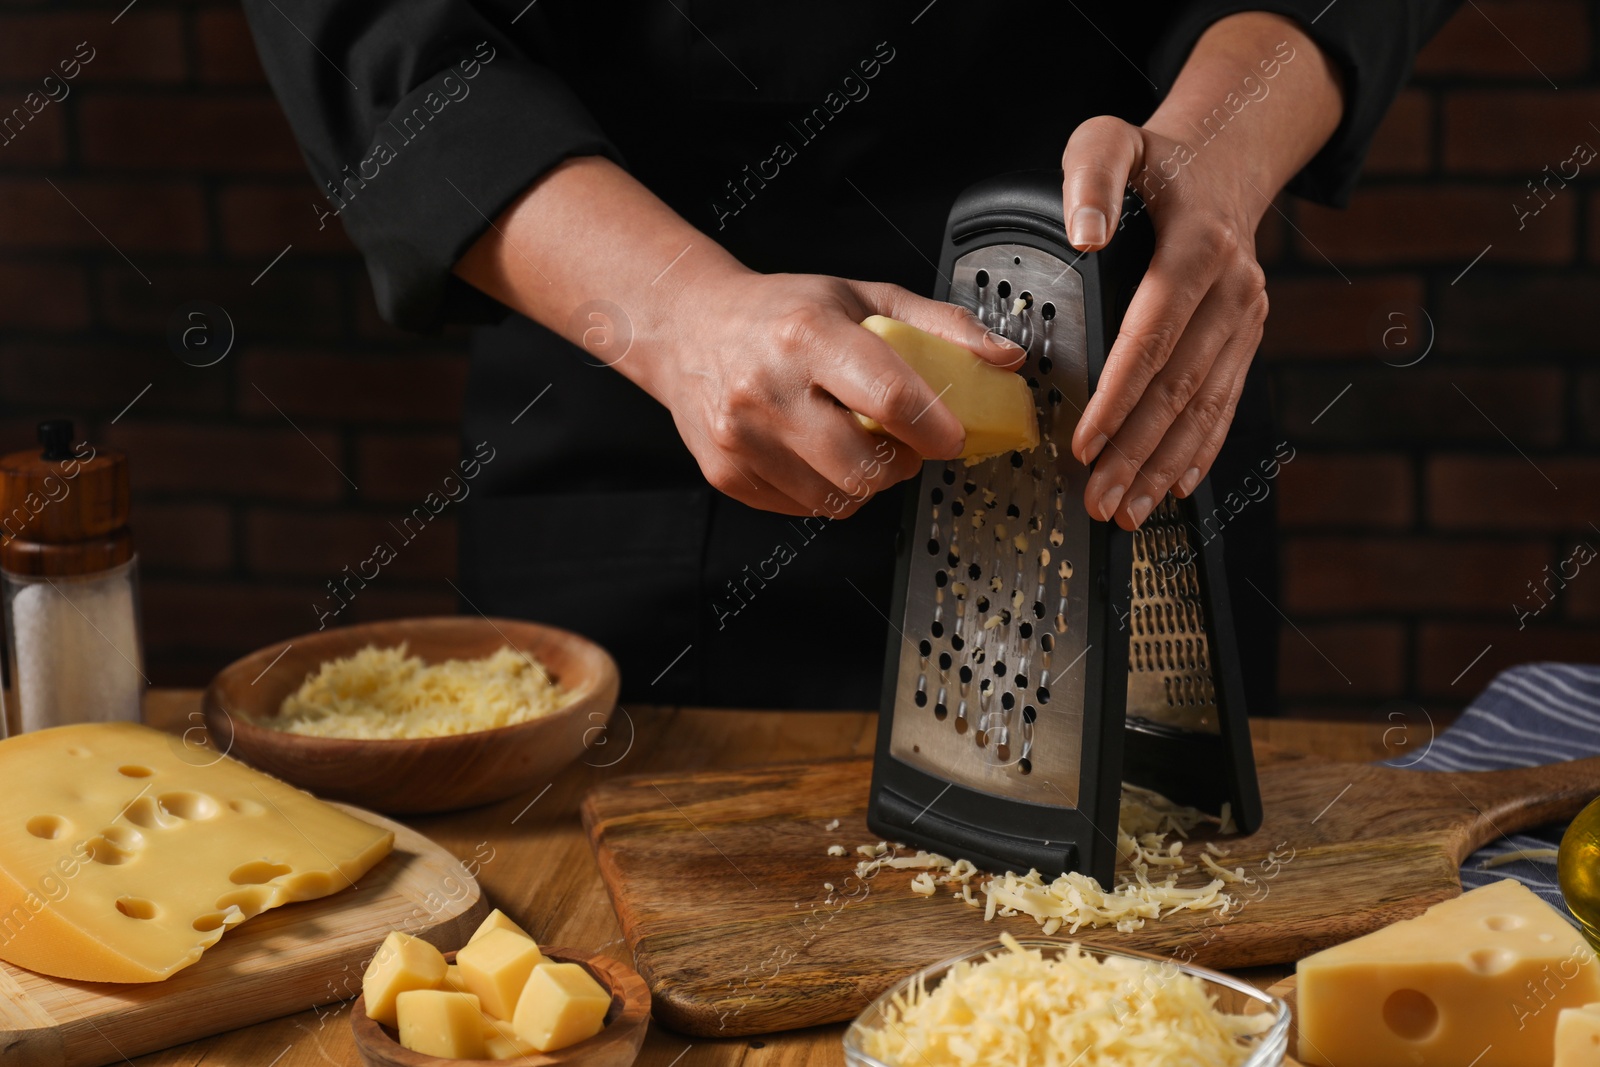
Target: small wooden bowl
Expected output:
[615,1046]
[422,774]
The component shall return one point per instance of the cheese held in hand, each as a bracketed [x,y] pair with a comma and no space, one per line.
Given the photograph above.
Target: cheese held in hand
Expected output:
[994,404]
[1480,979]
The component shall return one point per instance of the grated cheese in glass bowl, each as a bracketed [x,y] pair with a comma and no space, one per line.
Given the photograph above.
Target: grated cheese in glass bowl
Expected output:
[1050,1003]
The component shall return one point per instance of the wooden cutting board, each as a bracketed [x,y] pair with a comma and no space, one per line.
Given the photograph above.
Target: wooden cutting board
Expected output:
[285,960]
[719,879]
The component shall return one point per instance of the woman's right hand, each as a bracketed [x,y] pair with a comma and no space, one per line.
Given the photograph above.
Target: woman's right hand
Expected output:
[762,372]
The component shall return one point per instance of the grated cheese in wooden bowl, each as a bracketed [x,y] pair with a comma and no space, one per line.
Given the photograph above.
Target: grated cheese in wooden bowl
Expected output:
[1147,883]
[386,693]
[1021,1008]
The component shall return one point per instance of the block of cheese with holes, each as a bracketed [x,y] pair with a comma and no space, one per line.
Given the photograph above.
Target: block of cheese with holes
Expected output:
[125,852]
[1480,979]
[993,403]
[1578,1036]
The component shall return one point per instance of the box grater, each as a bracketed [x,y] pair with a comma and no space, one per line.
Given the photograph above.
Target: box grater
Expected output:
[1039,658]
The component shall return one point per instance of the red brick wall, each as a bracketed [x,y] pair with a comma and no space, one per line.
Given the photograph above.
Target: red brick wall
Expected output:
[1411,524]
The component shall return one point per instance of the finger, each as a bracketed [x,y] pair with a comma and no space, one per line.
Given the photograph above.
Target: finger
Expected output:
[1100,155]
[857,463]
[732,477]
[1171,458]
[1182,271]
[950,321]
[1162,401]
[863,373]
[1206,455]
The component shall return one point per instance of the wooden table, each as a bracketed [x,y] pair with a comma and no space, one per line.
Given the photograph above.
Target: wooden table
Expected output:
[535,863]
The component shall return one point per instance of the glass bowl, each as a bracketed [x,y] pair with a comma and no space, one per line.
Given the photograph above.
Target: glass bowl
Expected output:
[1230,995]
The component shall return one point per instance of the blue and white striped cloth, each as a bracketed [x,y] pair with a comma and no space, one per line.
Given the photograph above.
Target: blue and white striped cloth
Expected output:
[1529,715]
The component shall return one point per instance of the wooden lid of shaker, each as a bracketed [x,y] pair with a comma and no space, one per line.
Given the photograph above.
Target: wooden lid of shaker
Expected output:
[63,507]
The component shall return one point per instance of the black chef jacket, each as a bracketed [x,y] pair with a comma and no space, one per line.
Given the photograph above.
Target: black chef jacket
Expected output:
[828,137]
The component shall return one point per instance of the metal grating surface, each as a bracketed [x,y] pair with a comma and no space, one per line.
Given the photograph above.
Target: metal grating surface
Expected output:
[990,685]
[1169,657]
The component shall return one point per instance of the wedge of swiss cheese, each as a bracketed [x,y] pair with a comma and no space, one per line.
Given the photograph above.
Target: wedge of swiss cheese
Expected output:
[994,404]
[125,852]
[1481,980]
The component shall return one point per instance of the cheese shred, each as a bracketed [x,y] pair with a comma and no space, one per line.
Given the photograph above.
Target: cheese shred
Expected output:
[1150,842]
[1016,1008]
[386,693]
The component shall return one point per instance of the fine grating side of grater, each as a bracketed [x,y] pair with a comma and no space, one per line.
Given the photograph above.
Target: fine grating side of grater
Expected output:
[1039,657]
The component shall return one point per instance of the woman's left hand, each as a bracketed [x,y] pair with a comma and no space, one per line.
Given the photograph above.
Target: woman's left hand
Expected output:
[1167,394]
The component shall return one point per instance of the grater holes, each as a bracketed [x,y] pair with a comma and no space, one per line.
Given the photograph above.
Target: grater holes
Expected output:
[1038,610]
[1043,694]
[941,712]
[982,279]
[1020,681]
[1025,296]
[1029,714]
[1025,765]
[956,642]
[1047,642]
[933,546]
[937,496]
[925,648]
[974,571]
[1025,631]
[1055,396]
[954,558]
[936,628]
[999,667]
[957,508]
[949,476]
[945,661]
[1004,288]
[940,579]
[1046,364]
[969,487]
[965,674]
[983,603]
[920,698]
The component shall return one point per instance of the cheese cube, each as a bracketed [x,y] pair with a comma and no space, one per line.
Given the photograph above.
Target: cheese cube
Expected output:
[561,1006]
[441,1022]
[453,979]
[125,853]
[496,967]
[402,963]
[501,1041]
[1578,1036]
[497,920]
[993,403]
[1480,979]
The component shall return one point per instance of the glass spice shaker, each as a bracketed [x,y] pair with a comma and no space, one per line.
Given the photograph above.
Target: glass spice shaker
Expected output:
[69,577]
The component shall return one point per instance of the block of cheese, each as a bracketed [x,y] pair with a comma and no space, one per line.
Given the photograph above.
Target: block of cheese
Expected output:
[126,852]
[401,964]
[1578,1036]
[497,920]
[453,979]
[496,967]
[561,1005]
[441,1022]
[501,1041]
[1479,980]
[994,404]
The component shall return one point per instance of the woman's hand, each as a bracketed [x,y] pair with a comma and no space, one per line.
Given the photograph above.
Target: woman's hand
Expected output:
[762,375]
[1172,379]
[1167,394]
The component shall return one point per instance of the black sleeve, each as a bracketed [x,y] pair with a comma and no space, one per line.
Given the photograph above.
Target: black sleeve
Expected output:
[1373,41]
[421,121]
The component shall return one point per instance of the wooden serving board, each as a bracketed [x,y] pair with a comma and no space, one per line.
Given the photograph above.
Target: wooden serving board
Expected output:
[282,961]
[719,879]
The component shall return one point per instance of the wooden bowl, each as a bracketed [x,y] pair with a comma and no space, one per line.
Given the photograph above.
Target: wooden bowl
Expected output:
[422,774]
[615,1046]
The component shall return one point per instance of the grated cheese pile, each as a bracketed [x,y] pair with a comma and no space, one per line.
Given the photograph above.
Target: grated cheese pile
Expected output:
[1146,886]
[386,693]
[1018,1009]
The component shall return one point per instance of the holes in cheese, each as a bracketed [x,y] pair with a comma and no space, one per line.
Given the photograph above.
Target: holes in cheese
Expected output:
[258,872]
[112,877]
[993,403]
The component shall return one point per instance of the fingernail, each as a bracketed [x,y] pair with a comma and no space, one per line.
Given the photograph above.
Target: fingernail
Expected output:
[1088,227]
[1000,342]
[1109,502]
[1139,509]
[1094,448]
[1190,479]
